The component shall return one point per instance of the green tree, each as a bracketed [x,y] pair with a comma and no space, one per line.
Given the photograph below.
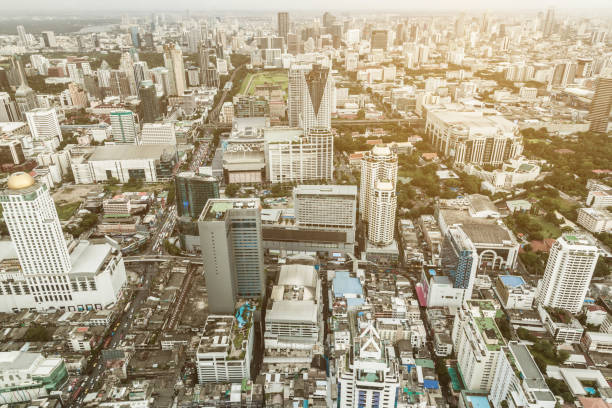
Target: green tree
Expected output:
[231,190]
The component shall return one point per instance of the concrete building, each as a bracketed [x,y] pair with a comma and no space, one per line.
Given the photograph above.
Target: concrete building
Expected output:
[44,124]
[295,156]
[472,137]
[316,105]
[39,271]
[150,163]
[158,133]
[568,273]
[28,376]
[8,109]
[173,59]
[232,250]
[11,152]
[226,346]
[600,197]
[595,220]
[227,113]
[326,207]
[125,128]
[599,113]
[514,292]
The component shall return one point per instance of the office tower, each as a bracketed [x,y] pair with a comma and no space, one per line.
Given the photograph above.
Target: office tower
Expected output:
[367,375]
[568,273]
[203,58]
[283,25]
[336,32]
[141,72]
[293,44]
[212,77]
[16,72]
[158,133]
[296,90]
[173,57]
[49,276]
[44,124]
[11,152]
[599,112]
[378,164]
[460,26]
[549,23]
[232,251]
[328,19]
[49,39]
[381,221]
[119,84]
[193,76]
[326,207]
[194,39]
[25,98]
[23,36]
[160,77]
[135,36]
[126,64]
[292,155]
[8,110]
[316,105]
[485,23]
[148,101]
[379,40]
[149,42]
[124,127]
[193,192]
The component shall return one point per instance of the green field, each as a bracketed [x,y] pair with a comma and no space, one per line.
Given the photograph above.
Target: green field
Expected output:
[260,78]
[65,211]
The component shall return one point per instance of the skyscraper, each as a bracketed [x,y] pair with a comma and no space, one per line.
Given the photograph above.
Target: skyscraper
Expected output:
[568,273]
[8,110]
[316,105]
[25,97]
[23,36]
[549,23]
[381,221]
[124,127]
[599,113]
[232,251]
[193,192]
[49,276]
[44,124]
[119,83]
[49,39]
[296,90]
[283,25]
[141,72]
[173,57]
[135,36]
[148,101]
[126,64]
[379,40]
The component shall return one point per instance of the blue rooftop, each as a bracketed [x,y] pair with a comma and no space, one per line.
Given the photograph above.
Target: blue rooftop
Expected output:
[431,384]
[512,280]
[478,401]
[343,284]
[354,302]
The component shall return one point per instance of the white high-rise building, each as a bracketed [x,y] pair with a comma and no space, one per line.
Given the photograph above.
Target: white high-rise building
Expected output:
[370,377]
[124,127]
[326,207]
[23,36]
[37,267]
[158,133]
[296,90]
[292,155]
[44,124]
[381,217]
[316,104]
[377,200]
[8,109]
[126,65]
[568,273]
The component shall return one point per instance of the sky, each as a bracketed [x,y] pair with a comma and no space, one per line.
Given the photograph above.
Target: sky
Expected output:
[33,6]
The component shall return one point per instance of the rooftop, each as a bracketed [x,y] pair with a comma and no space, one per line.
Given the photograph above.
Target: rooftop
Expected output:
[512,281]
[217,208]
[490,333]
[130,152]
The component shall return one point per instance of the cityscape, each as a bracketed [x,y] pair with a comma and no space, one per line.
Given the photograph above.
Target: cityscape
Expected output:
[343,207]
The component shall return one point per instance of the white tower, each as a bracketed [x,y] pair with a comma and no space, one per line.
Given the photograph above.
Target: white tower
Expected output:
[44,124]
[381,217]
[568,273]
[378,164]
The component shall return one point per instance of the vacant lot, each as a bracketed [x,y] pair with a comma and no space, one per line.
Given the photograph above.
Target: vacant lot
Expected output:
[65,211]
[72,193]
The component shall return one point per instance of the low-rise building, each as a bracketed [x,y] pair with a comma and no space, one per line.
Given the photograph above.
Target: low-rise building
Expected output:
[595,220]
[561,324]
[514,292]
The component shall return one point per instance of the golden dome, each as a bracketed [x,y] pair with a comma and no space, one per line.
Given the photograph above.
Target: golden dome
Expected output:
[20,180]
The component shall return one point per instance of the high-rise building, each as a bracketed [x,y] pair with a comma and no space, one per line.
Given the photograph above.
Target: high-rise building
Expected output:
[316,99]
[11,152]
[549,23]
[78,95]
[173,57]
[48,275]
[568,273]
[295,156]
[126,64]
[49,39]
[232,251]
[23,36]
[599,113]
[135,36]
[381,221]
[326,207]
[124,127]
[193,192]
[148,101]
[119,84]
[158,133]
[283,25]
[44,124]
[378,164]
[25,97]
[367,374]
[379,40]
[141,72]
[296,90]
[8,110]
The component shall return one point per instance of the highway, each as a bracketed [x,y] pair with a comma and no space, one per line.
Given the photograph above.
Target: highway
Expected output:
[214,114]
[165,230]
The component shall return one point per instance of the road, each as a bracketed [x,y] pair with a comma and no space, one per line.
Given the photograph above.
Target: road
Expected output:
[167,226]
[214,114]
[412,122]
[140,295]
